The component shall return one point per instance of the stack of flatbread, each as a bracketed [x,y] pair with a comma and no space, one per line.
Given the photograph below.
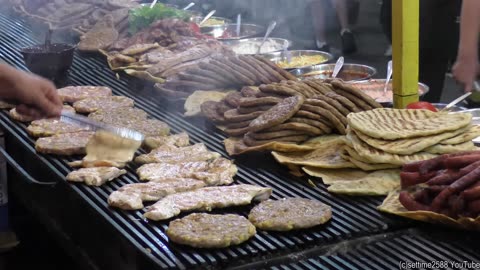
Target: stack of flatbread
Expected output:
[386,138]
[378,142]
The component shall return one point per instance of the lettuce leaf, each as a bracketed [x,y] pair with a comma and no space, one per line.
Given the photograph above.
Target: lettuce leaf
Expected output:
[142,17]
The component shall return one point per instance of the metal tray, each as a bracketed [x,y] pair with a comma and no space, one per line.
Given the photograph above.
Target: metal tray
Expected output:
[325,71]
[281,56]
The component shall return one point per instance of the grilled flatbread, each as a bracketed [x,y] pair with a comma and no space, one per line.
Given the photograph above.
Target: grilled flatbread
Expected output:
[469,135]
[357,182]
[195,100]
[236,146]
[441,149]
[324,156]
[373,155]
[410,145]
[392,124]
[348,153]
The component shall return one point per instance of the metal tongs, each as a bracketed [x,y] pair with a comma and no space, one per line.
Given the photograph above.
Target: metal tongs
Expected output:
[80,120]
[267,34]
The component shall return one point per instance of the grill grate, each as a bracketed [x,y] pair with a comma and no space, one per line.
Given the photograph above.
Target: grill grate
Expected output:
[390,253]
[353,217]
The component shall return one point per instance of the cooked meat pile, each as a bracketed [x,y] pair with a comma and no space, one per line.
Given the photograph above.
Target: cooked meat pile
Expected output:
[80,16]
[448,185]
[223,72]
[288,112]
[210,231]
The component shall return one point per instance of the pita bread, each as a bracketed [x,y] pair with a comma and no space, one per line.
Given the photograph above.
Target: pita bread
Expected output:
[441,149]
[197,98]
[324,139]
[351,155]
[392,205]
[408,146]
[357,182]
[373,155]
[236,146]
[392,124]
[469,135]
[324,156]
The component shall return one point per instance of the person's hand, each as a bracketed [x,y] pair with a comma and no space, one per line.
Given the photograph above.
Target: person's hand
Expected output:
[38,97]
[465,71]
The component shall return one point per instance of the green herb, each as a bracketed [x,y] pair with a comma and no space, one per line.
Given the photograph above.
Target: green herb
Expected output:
[142,17]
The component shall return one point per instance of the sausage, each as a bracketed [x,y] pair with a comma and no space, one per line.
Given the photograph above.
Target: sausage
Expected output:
[410,204]
[462,183]
[461,161]
[434,190]
[445,178]
[422,196]
[436,163]
[412,166]
[474,207]
[413,178]
[457,205]
[472,193]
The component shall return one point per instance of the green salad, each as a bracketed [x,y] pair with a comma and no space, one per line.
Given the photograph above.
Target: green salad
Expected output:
[142,17]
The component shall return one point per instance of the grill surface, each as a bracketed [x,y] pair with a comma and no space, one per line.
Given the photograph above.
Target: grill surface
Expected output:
[352,217]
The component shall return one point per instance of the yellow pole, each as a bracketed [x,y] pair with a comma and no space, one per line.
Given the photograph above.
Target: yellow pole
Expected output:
[405,28]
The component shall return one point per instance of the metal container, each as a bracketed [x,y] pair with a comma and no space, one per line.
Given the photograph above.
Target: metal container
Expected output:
[349,72]
[198,19]
[374,88]
[228,31]
[455,108]
[249,46]
[281,56]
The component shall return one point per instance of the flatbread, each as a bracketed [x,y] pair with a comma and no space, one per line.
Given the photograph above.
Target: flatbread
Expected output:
[197,98]
[351,155]
[392,124]
[324,156]
[358,182]
[392,205]
[236,146]
[441,149]
[410,145]
[324,140]
[469,135]
[373,155]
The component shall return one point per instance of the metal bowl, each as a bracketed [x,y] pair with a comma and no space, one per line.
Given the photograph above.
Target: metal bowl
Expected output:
[198,19]
[52,64]
[374,88]
[349,72]
[455,108]
[228,31]
[249,46]
[281,57]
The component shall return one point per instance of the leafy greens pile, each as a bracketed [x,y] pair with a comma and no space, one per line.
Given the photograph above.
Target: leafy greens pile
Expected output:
[142,17]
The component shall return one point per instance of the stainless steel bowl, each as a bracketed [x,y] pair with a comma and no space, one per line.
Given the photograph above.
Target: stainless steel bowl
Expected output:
[349,72]
[198,19]
[455,108]
[374,88]
[249,46]
[228,31]
[281,56]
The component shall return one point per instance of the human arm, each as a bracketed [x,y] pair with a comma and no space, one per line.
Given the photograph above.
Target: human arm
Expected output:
[37,97]
[466,66]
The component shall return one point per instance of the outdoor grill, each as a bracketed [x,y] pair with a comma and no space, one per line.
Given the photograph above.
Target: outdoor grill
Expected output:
[358,236]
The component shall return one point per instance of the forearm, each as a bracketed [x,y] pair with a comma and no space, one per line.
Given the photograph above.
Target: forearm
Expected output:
[469,29]
[8,75]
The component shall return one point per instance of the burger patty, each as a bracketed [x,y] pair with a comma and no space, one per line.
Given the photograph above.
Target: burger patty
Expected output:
[71,94]
[26,118]
[64,144]
[119,116]
[52,126]
[93,104]
[210,231]
[289,214]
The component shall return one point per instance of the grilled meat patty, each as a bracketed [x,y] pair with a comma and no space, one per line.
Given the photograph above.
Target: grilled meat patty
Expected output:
[289,214]
[210,231]
[119,116]
[172,154]
[50,127]
[132,196]
[93,104]
[95,176]
[217,172]
[26,118]
[71,94]
[64,144]
[206,199]
[179,140]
